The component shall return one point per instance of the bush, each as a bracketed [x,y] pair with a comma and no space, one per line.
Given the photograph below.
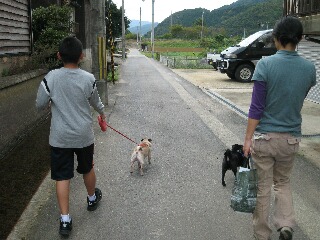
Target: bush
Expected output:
[131,36]
[219,42]
[116,75]
[50,25]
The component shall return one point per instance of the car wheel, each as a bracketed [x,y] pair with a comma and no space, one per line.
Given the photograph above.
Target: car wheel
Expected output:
[244,73]
[230,75]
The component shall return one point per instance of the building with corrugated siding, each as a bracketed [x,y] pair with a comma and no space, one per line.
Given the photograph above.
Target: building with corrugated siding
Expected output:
[308,11]
[15,30]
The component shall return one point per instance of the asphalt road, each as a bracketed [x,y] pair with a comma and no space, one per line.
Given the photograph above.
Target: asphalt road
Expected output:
[180,196]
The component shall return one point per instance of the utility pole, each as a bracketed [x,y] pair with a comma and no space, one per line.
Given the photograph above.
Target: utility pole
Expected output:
[111,41]
[137,36]
[123,33]
[152,29]
[202,25]
[98,29]
[152,32]
[140,26]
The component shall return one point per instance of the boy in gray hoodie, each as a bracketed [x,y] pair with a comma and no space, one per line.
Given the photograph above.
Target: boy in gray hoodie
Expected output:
[70,92]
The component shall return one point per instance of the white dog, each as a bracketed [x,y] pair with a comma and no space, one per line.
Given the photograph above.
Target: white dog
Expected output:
[140,152]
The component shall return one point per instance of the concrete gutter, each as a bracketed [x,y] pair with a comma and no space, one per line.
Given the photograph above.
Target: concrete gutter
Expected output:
[15,79]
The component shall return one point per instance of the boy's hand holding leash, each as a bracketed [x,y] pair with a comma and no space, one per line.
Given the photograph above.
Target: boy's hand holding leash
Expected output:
[103,125]
[102,122]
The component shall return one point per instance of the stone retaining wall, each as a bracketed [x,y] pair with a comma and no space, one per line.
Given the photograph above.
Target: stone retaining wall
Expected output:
[18,114]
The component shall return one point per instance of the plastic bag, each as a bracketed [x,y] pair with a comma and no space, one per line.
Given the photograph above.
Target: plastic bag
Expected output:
[244,192]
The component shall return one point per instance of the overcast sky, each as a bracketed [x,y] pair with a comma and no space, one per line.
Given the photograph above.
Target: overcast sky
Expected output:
[163,8]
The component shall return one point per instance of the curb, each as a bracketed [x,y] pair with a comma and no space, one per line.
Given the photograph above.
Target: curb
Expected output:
[27,219]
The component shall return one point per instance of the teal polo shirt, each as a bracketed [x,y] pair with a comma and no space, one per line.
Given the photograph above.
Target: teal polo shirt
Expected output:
[288,79]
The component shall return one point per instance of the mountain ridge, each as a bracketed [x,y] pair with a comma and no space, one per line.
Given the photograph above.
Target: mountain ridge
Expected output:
[145,26]
[232,19]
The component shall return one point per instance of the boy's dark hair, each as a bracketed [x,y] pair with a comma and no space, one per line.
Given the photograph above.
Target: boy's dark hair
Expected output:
[70,50]
[288,30]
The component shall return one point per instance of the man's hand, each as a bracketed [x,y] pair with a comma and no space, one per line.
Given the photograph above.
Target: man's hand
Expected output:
[247,147]
[252,124]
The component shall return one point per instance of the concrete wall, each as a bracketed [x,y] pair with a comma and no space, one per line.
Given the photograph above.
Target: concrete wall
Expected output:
[8,61]
[18,114]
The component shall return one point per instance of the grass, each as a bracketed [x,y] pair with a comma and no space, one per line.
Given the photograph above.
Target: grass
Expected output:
[188,60]
[185,55]
[178,43]
[116,75]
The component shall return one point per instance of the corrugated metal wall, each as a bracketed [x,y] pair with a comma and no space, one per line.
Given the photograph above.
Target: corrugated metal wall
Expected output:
[15,34]
[311,51]
[301,7]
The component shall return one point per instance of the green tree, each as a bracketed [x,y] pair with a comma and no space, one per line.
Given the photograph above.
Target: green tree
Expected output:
[50,25]
[114,20]
[131,35]
[176,31]
[198,22]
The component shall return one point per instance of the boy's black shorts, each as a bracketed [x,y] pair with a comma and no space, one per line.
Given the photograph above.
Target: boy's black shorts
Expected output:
[62,161]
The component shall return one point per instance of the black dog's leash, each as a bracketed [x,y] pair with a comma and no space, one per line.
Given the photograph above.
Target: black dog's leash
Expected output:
[248,162]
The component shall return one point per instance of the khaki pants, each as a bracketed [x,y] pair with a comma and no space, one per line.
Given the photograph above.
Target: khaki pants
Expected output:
[273,156]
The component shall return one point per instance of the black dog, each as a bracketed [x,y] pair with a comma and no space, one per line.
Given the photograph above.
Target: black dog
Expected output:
[233,159]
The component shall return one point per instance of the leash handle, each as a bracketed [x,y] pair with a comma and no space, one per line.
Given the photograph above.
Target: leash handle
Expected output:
[248,161]
[251,161]
[121,134]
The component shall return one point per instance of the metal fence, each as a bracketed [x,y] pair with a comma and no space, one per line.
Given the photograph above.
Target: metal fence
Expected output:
[184,62]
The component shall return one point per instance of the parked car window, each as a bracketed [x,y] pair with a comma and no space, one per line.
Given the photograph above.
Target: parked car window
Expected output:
[265,41]
[247,41]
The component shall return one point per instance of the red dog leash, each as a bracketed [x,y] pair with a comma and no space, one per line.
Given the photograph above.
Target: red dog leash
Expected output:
[121,134]
[103,125]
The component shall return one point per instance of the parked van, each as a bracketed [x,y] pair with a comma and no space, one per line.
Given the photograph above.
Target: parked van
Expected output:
[212,58]
[239,61]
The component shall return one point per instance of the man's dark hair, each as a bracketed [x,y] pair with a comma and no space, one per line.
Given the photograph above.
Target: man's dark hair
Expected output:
[288,30]
[70,50]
